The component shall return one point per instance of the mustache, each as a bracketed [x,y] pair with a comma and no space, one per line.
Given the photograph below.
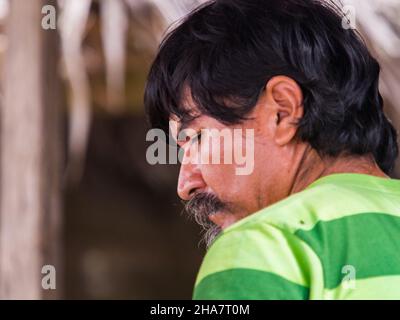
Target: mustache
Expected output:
[199,208]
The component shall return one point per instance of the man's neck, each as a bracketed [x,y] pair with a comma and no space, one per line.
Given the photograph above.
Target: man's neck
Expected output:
[312,167]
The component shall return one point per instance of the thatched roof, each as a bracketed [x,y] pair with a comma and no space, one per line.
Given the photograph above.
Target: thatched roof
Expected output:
[378,22]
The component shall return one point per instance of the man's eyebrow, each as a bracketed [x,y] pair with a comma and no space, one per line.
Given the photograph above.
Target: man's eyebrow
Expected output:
[186,124]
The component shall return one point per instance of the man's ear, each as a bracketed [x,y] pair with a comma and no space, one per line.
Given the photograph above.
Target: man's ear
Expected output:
[286,97]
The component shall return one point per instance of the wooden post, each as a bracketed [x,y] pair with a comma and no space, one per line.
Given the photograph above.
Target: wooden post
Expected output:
[30,185]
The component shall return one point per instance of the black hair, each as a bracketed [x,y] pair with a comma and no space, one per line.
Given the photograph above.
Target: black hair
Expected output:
[225,52]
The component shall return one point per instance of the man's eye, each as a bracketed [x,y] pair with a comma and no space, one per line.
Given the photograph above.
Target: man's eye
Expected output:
[195,138]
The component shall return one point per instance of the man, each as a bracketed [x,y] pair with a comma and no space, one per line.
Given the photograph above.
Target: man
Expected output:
[318,217]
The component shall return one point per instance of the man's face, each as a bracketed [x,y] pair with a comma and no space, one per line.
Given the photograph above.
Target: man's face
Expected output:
[219,194]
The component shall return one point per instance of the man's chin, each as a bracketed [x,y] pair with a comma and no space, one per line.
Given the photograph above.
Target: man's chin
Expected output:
[211,234]
[222,219]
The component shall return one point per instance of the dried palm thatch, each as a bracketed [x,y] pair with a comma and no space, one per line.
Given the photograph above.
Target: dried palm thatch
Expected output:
[115,16]
[377,20]
[379,23]
[72,25]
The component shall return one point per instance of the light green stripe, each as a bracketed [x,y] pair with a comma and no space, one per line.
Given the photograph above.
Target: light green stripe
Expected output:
[246,284]
[265,248]
[357,179]
[377,288]
[329,198]
[368,242]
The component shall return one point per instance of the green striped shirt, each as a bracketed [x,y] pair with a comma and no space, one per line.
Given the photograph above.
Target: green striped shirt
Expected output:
[337,239]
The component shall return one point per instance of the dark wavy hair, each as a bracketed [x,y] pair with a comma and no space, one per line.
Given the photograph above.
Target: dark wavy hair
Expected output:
[225,52]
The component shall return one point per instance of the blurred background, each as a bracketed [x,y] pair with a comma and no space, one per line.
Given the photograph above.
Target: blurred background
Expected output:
[76,190]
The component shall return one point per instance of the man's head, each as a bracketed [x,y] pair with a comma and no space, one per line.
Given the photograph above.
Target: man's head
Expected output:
[285,69]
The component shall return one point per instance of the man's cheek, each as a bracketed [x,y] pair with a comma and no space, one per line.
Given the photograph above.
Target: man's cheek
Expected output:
[220,177]
[244,152]
[217,146]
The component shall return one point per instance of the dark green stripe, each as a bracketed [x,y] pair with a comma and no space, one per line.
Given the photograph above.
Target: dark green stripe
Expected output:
[242,284]
[370,242]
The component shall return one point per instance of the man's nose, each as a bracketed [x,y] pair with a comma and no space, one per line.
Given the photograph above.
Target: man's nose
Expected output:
[190,180]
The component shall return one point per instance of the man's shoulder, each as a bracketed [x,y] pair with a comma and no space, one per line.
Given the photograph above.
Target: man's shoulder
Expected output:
[242,261]
[294,243]
[328,199]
